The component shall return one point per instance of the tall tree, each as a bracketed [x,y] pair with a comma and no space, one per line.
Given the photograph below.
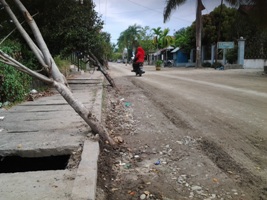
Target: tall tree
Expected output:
[219,31]
[166,39]
[129,38]
[56,78]
[173,4]
[183,38]
[157,32]
[74,31]
[256,9]
[146,39]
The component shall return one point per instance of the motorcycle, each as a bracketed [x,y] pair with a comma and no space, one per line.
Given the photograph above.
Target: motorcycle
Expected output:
[139,69]
[168,63]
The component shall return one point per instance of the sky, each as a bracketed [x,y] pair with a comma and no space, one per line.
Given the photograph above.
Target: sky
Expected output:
[118,15]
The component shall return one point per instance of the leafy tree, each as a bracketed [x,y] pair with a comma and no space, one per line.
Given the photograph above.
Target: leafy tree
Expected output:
[183,38]
[75,26]
[221,16]
[103,50]
[146,39]
[235,24]
[255,9]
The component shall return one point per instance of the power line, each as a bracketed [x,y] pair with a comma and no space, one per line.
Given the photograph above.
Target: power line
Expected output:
[146,7]
[154,10]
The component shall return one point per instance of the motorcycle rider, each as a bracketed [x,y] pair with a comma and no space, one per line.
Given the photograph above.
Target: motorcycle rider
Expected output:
[139,58]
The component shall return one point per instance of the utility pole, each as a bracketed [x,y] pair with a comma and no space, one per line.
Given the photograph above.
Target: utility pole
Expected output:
[200,7]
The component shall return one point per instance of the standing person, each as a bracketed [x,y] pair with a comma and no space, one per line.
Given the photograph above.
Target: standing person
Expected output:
[139,58]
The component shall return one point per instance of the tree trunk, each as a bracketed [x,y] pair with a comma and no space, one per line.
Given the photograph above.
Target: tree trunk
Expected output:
[218,33]
[87,115]
[200,7]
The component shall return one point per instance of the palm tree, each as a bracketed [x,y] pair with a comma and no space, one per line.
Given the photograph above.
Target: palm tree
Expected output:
[165,39]
[133,34]
[129,38]
[157,32]
[171,5]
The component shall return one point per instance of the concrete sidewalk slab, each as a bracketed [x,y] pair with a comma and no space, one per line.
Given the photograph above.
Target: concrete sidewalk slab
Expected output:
[47,127]
[87,173]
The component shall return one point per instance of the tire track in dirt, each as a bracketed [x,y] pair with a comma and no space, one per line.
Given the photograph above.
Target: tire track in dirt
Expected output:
[251,183]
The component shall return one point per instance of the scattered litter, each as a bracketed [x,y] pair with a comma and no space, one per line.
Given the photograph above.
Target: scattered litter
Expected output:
[106,150]
[137,158]
[235,191]
[114,189]
[181,180]
[157,163]
[122,164]
[2,117]
[118,139]
[153,170]
[1,129]
[179,142]
[191,195]
[220,68]
[143,196]
[132,193]
[6,103]
[258,168]
[196,188]
[127,104]
[33,91]
[215,180]
[127,166]
[147,193]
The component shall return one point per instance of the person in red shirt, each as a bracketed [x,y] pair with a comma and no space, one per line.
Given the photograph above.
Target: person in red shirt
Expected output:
[139,58]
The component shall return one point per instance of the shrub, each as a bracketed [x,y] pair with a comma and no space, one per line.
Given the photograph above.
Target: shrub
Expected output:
[231,55]
[159,63]
[63,65]
[14,84]
[216,65]
[206,64]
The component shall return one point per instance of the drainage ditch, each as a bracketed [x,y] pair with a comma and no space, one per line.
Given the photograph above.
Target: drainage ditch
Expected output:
[12,164]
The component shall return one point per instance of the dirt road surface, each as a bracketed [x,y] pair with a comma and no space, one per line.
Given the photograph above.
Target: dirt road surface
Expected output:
[185,133]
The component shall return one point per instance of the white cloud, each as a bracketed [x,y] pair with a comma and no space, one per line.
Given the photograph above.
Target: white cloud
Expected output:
[118,15]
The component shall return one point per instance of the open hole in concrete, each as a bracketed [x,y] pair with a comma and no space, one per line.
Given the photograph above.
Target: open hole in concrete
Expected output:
[12,164]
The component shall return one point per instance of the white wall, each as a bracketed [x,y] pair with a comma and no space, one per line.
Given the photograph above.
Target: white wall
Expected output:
[254,63]
[250,63]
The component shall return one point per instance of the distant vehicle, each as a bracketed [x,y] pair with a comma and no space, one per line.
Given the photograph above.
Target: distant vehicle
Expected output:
[119,61]
[168,63]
